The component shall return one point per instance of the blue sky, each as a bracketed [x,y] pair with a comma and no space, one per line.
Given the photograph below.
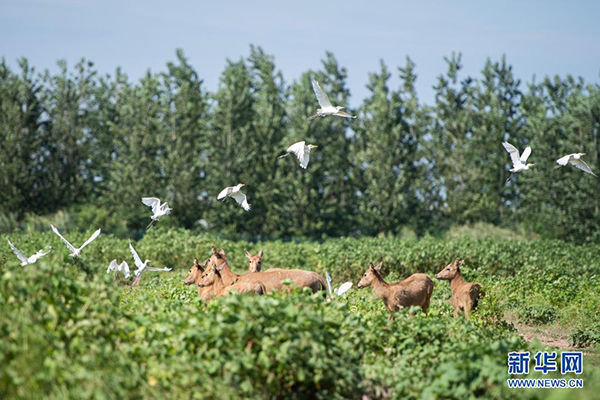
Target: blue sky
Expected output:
[538,37]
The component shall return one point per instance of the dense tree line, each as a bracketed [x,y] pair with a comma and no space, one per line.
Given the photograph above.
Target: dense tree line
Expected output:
[75,137]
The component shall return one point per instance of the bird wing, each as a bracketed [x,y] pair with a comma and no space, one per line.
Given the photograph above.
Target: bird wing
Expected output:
[65,241]
[159,269]
[328,279]
[136,258]
[564,160]
[299,150]
[46,253]
[20,255]
[344,288]
[241,199]
[112,266]
[343,114]
[525,154]
[151,202]
[223,193]
[165,209]
[582,166]
[91,239]
[305,159]
[124,268]
[514,153]
[321,95]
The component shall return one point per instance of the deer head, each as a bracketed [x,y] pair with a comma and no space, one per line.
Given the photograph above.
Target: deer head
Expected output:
[372,273]
[209,277]
[255,261]
[450,270]
[196,271]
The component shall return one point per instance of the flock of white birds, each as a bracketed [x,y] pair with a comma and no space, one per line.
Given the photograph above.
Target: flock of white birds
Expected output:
[302,151]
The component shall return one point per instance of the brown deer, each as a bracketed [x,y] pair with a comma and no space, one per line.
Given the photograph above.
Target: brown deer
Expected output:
[272,279]
[195,276]
[415,290]
[211,278]
[255,261]
[465,295]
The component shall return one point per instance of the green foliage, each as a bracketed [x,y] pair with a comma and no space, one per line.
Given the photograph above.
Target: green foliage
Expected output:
[69,329]
[537,314]
[586,336]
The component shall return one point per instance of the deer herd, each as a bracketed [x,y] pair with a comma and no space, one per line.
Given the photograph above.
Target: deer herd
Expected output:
[214,278]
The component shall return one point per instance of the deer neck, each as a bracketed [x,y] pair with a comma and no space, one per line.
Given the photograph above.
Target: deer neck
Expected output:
[227,275]
[380,287]
[456,282]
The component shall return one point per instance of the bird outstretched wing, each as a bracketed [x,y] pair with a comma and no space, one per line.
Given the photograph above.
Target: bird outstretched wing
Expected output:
[46,253]
[241,199]
[564,160]
[91,239]
[299,150]
[18,252]
[159,269]
[582,166]
[514,153]
[112,266]
[136,258]
[343,288]
[165,209]
[321,95]
[151,202]
[526,154]
[343,114]
[124,268]
[65,241]
[223,193]
[328,280]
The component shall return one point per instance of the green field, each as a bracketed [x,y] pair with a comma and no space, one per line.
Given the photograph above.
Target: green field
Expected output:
[68,329]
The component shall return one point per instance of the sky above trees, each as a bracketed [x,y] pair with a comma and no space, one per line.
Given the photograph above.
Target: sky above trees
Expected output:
[538,38]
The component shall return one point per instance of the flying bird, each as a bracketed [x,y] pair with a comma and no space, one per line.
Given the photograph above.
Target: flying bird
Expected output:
[326,107]
[123,267]
[302,151]
[76,252]
[142,266]
[575,160]
[235,193]
[158,209]
[518,162]
[28,260]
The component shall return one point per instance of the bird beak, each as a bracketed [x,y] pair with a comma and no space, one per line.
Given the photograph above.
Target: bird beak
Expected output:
[314,145]
[583,154]
[243,184]
[341,108]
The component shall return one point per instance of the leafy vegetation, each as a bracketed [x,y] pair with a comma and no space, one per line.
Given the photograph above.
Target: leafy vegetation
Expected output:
[67,329]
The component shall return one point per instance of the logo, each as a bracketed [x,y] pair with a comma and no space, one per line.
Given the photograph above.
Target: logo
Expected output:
[545,362]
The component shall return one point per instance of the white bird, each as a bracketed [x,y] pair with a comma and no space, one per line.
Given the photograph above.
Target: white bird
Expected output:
[142,266]
[28,260]
[159,210]
[235,193]
[575,160]
[326,107]
[76,252]
[518,162]
[123,267]
[302,151]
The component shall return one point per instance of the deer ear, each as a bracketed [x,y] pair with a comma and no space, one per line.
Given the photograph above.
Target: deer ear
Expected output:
[196,263]
[248,255]
[459,263]
[260,253]
[371,266]
[213,250]
[378,266]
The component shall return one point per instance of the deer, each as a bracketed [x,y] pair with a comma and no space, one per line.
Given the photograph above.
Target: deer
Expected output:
[272,279]
[255,261]
[415,290]
[465,295]
[212,279]
[195,276]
